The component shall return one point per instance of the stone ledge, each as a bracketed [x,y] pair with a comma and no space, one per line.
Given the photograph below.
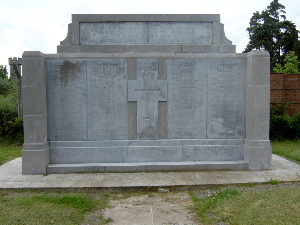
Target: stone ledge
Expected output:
[147,167]
[145,17]
[146,48]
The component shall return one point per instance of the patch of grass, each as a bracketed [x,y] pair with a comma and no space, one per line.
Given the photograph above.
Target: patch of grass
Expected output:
[289,149]
[44,209]
[273,206]
[204,205]
[246,185]
[273,182]
[9,152]
[79,202]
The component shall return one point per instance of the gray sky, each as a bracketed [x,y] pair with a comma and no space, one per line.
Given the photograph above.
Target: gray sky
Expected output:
[39,25]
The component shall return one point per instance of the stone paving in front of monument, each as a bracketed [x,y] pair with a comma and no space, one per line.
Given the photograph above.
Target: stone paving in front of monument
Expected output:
[11,177]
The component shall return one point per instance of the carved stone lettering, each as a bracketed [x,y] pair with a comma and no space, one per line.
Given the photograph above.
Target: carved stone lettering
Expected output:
[176,33]
[210,152]
[113,33]
[107,99]
[66,98]
[99,33]
[225,101]
[86,99]
[187,98]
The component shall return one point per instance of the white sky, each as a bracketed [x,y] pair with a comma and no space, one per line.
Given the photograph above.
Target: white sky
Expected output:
[39,25]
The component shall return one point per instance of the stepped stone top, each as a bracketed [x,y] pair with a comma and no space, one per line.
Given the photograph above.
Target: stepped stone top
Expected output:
[198,33]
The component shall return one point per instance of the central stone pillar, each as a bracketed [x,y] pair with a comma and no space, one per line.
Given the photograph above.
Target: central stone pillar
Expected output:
[147,91]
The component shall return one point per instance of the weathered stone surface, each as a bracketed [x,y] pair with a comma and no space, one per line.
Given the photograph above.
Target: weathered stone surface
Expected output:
[66,99]
[107,100]
[123,33]
[168,150]
[187,99]
[145,93]
[75,96]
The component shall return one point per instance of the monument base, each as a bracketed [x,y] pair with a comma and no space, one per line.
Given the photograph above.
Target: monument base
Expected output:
[146,155]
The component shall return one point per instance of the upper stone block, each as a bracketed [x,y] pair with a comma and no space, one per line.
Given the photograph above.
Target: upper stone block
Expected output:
[142,32]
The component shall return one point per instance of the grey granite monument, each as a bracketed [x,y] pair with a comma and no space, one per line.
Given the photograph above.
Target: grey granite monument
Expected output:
[131,93]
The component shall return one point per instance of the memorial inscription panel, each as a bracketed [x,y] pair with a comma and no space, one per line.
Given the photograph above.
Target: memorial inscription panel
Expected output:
[187,99]
[225,99]
[206,98]
[107,99]
[110,33]
[66,99]
[86,99]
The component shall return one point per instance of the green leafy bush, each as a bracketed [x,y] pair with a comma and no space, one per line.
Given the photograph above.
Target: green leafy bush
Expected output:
[8,94]
[291,64]
[11,127]
[3,72]
[6,86]
[282,125]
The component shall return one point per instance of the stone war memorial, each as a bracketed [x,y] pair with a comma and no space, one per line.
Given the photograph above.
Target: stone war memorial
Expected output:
[145,93]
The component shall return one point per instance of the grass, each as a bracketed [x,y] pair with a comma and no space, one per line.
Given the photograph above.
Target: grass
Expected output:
[43,209]
[208,203]
[273,182]
[289,149]
[48,208]
[274,206]
[9,152]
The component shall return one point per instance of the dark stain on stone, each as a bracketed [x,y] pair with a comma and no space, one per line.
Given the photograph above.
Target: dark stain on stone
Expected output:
[69,71]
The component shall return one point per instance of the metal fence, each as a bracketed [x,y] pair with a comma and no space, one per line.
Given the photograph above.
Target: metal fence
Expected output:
[285,88]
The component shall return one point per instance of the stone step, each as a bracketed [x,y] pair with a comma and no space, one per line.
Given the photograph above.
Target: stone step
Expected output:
[147,167]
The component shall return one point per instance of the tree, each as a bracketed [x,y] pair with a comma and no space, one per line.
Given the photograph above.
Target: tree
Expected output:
[3,71]
[270,30]
[8,90]
[291,64]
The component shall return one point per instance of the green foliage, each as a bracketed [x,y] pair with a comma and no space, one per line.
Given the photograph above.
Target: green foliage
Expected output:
[282,125]
[7,86]
[8,95]
[270,30]
[3,72]
[291,64]
[273,182]
[11,127]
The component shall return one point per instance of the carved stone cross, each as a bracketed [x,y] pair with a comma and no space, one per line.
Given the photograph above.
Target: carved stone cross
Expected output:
[147,91]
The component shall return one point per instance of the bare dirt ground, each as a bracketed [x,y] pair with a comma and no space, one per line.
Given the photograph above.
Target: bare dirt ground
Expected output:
[163,207]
